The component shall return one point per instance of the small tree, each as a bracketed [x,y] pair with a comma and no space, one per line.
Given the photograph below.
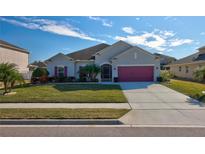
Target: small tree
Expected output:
[199,74]
[91,71]
[9,75]
[41,74]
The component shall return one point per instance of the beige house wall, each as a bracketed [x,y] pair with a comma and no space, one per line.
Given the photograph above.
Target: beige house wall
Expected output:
[16,57]
[174,69]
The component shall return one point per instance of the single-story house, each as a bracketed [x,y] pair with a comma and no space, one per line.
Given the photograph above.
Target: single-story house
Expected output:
[164,60]
[185,67]
[120,61]
[10,53]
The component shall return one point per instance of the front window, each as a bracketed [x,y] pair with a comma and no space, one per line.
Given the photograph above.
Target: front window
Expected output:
[187,69]
[180,68]
[61,71]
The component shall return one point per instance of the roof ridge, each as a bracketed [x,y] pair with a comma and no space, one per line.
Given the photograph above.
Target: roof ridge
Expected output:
[81,50]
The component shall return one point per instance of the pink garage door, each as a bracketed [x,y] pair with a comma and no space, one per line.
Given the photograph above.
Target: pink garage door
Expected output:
[135,73]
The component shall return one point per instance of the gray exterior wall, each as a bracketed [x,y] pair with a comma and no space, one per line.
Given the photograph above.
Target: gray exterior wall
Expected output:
[61,60]
[136,57]
[12,56]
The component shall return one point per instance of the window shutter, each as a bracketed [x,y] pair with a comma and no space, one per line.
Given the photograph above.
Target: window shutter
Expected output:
[65,71]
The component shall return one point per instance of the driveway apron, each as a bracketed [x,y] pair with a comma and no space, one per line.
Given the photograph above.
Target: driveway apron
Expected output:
[156,104]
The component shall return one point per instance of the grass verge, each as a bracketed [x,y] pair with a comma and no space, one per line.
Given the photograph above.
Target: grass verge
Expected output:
[49,113]
[189,88]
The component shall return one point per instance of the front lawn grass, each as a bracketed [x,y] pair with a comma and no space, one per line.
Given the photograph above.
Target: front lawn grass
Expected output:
[66,93]
[37,113]
[192,89]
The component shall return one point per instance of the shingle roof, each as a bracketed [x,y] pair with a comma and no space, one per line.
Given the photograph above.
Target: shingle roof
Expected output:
[188,59]
[164,59]
[86,54]
[7,45]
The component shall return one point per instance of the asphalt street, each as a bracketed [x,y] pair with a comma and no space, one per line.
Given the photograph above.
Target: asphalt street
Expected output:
[100,131]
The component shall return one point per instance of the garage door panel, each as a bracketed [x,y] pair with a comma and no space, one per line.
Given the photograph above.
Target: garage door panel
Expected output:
[135,73]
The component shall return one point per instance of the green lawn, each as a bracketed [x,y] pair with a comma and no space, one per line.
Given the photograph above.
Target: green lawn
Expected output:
[192,89]
[67,93]
[62,113]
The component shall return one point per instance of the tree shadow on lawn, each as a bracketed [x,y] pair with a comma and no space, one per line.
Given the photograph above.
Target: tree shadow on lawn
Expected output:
[91,87]
[197,101]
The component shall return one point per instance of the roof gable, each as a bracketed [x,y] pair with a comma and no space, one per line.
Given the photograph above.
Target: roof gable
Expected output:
[87,54]
[119,43]
[59,55]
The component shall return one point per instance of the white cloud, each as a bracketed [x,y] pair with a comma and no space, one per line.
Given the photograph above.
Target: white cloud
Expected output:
[104,22]
[128,30]
[157,39]
[137,19]
[51,26]
[19,23]
[178,42]
[202,33]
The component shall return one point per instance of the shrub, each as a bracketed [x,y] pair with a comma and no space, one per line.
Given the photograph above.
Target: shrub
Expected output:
[40,74]
[199,74]
[165,76]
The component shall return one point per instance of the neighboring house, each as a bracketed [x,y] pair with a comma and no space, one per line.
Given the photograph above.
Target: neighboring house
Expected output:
[37,64]
[120,61]
[10,53]
[164,60]
[185,67]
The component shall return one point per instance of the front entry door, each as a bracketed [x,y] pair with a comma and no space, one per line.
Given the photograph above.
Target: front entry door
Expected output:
[106,72]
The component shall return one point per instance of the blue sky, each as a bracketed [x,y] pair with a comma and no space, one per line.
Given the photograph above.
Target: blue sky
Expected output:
[46,36]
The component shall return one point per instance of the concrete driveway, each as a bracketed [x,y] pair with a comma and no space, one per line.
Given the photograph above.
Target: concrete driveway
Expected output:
[155,104]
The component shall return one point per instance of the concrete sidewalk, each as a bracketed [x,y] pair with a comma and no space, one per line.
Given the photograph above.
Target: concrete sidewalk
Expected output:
[66,105]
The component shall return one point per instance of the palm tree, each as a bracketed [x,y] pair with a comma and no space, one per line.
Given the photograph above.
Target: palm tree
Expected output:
[9,75]
[91,71]
[15,77]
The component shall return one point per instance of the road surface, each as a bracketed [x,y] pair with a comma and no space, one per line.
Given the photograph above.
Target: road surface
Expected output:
[100,131]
